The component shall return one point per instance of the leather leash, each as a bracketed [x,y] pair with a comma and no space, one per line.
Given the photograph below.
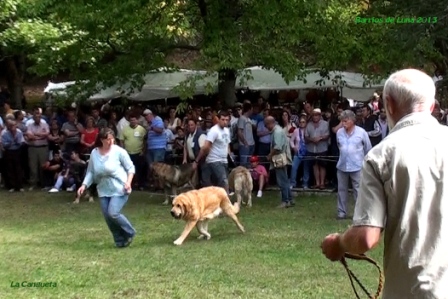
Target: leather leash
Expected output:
[353,277]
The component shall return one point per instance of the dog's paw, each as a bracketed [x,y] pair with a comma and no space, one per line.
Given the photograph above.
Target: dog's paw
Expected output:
[166,202]
[177,242]
[201,237]
[249,205]
[76,202]
[208,237]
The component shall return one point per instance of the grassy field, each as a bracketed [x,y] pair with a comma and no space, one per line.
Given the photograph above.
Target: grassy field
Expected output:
[45,238]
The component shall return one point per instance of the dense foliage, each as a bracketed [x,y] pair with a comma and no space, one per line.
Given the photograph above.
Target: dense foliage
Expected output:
[120,41]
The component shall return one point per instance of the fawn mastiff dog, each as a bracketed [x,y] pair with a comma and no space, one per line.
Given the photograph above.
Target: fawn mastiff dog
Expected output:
[198,207]
[174,177]
[240,181]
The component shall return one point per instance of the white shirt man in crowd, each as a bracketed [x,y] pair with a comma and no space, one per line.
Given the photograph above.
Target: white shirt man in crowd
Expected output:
[403,194]
[37,138]
[217,149]
[354,143]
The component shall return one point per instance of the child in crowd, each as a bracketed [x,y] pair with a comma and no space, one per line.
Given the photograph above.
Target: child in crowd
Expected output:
[53,168]
[72,176]
[259,175]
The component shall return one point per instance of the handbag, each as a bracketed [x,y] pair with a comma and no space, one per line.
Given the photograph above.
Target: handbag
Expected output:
[279,160]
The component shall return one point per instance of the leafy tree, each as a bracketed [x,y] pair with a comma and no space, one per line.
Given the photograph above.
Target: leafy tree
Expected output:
[23,31]
[417,35]
[116,41]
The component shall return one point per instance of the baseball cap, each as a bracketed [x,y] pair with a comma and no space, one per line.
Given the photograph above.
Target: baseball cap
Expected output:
[253,159]
[317,111]
[147,111]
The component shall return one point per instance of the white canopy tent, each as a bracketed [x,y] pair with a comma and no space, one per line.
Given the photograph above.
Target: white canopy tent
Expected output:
[160,84]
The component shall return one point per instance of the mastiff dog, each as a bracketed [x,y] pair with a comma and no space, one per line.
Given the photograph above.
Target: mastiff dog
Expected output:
[198,207]
[240,181]
[174,177]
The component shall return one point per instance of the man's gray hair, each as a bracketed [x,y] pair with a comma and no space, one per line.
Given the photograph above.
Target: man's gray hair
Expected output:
[348,114]
[413,90]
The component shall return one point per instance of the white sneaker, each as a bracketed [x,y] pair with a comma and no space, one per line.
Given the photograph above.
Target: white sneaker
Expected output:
[22,190]
[12,190]
[53,190]
[70,189]
[231,193]
[259,193]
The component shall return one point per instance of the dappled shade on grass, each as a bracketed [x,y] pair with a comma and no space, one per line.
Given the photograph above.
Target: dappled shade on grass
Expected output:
[46,239]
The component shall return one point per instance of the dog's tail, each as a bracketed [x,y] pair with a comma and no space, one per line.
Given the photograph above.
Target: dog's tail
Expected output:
[226,204]
[236,207]
[249,182]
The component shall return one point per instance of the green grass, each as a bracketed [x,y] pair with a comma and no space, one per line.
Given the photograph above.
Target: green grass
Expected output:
[45,238]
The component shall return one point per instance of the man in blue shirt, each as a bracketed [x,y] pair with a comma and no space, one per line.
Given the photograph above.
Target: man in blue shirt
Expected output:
[12,141]
[156,141]
[354,143]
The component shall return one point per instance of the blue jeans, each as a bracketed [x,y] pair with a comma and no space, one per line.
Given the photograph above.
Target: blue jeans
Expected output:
[155,155]
[60,181]
[281,175]
[118,224]
[219,171]
[295,167]
[307,165]
[245,152]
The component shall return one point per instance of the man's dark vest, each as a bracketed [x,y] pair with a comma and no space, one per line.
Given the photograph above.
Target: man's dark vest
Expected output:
[196,148]
[369,125]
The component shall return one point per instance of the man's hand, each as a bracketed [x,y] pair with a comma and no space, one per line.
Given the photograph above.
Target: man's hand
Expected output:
[195,165]
[331,247]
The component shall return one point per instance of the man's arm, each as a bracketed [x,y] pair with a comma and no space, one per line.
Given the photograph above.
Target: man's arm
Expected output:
[158,127]
[369,218]
[204,151]
[278,144]
[337,127]
[326,133]
[307,138]
[376,130]
[261,130]
[360,239]
[366,142]
[240,132]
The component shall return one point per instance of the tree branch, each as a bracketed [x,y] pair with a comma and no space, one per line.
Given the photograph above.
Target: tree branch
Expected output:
[186,47]
[203,9]
[113,47]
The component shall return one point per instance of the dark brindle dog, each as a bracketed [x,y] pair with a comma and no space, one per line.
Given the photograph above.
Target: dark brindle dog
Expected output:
[174,177]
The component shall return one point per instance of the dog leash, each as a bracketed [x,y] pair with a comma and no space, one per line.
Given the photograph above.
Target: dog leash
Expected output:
[353,277]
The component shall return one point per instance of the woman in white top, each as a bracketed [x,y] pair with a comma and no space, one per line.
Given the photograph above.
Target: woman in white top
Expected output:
[173,121]
[111,168]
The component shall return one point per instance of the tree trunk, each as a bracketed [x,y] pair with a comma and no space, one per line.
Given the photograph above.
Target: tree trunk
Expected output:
[226,87]
[15,75]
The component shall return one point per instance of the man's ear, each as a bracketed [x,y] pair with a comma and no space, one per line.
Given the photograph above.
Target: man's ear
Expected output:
[390,105]
[433,105]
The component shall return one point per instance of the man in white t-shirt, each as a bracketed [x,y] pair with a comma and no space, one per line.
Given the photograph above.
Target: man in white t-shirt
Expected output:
[217,149]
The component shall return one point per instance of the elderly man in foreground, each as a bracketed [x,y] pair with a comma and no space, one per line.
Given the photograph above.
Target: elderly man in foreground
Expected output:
[353,143]
[403,193]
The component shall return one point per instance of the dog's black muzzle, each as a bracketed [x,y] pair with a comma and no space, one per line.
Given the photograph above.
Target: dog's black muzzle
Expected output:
[174,215]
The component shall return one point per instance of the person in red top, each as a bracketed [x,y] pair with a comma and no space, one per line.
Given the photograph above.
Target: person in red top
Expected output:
[88,136]
[259,174]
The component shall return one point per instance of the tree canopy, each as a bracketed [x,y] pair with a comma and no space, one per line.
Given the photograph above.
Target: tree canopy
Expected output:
[120,41]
